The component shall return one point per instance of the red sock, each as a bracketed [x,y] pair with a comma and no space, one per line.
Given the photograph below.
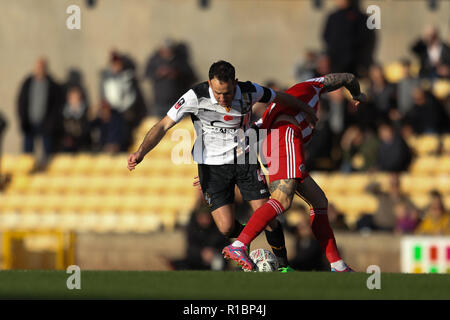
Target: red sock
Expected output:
[324,234]
[259,220]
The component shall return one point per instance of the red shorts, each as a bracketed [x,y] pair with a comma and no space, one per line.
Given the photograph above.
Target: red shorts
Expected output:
[284,152]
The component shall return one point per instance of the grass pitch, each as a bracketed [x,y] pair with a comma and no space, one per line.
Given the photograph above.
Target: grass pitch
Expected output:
[210,285]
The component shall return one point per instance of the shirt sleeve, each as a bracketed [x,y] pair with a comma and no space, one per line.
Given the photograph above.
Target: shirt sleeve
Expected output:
[263,94]
[188,103]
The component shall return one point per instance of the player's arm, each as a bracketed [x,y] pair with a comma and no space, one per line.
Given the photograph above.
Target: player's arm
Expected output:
[297,105]
[267,96]
[334,81]
[151,140]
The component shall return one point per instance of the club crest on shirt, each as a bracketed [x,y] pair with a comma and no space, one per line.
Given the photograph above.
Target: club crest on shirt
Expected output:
[179,103]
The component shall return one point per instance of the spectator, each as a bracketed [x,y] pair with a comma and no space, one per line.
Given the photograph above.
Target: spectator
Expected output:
[437,219]
[336,218]
[39,109]
[405,89]
[382,94]
[394,155]
[308,253]
[434,55]
[427,114]
[306,69]
[358,144]
[318,150]
[384,218]
[204,244]
[170,72]
[109,127]
[76,134]
[349,43]
[120,90]
[406,219]
[74,78]
[323,65]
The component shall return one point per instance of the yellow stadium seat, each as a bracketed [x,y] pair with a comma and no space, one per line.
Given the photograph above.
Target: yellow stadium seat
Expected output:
[441,88]
[68,220]
[415,184]
[149,223]
[29,220]
[107,222]
[443,184]
[444,164]
[20,183]
[446,143]
[9,220]
[393,72]
[420,201]
[128,222]
[425,165]
[11,202]
[103,164]
[49,220]
[83,164]
[61,164]
[425,144]
[87,222]
[24,164]
[168,220]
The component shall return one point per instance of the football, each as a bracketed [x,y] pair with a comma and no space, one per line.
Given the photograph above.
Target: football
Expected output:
[264,260]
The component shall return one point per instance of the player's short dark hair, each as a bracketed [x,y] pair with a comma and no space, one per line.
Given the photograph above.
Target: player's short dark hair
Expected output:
[223,71]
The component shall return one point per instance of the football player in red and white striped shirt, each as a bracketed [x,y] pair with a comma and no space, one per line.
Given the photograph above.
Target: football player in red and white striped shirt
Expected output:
[285,156]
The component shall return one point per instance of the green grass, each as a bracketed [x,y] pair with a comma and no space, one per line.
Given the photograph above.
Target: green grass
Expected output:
[220,285]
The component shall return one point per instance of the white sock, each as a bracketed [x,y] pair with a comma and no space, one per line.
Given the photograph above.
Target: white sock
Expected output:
[237,243]
[339,265]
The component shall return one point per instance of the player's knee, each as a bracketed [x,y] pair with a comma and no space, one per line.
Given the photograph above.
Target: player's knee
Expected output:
[225,229]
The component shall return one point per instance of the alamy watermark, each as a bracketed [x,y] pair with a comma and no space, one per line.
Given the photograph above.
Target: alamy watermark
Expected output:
[74,281]
[374,19]
[73,22]
[374,281]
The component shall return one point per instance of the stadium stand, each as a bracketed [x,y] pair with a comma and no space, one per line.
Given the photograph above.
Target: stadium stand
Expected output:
[95,192]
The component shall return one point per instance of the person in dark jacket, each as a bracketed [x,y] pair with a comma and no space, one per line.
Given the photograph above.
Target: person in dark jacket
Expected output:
[204,244]
[434,55]
[394,155]
[349,43]
[39,108]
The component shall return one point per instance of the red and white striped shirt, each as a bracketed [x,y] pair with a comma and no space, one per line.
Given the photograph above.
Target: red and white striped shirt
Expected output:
[309,92]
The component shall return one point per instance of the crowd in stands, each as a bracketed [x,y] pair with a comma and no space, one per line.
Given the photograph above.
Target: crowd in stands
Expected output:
[371,138]
[63,118]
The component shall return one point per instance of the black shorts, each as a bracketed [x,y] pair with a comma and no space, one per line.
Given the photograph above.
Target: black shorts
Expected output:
[218,182]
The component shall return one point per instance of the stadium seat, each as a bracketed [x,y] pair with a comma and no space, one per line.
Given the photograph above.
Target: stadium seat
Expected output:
[61,165]
[20,183]
[417,184]
[9,220]
[49,220]
[426,144]
[425,165]
[441,88]
[442,183]
[30,220]
[446,143]
[421,201]
[393,72]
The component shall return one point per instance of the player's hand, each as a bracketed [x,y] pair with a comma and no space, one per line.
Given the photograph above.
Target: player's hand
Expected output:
[361,98]
[133,160]
[196,183]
